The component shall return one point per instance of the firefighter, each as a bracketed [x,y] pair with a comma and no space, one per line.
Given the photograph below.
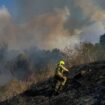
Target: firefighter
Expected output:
[60,78]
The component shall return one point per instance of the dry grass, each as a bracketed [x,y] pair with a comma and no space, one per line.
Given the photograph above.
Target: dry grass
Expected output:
[11,89]
[16,87]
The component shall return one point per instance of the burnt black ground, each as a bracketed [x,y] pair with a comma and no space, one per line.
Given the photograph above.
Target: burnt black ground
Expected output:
[86,89]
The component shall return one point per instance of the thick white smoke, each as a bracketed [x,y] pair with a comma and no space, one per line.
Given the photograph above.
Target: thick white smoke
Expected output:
[45,31]
[96,15]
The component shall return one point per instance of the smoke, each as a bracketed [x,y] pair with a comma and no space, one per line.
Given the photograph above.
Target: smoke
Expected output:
[49,25]
[48,29]
[30,8]
[95,15]
[45,31]
[91,10]
[92,33]
[7,28]
[5,75]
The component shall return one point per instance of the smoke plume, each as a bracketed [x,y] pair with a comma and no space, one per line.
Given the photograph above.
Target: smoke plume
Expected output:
[44,31]
[91,10]
[47,24]
[95,15]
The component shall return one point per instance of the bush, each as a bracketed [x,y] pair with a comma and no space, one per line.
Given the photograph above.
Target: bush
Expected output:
[84,53]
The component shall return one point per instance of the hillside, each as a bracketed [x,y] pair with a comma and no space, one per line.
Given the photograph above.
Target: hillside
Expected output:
[82,89]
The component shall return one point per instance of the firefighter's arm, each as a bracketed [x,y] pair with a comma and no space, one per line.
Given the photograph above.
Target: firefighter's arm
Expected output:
[65,69]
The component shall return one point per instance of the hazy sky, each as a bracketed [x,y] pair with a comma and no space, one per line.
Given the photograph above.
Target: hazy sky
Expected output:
[50,23]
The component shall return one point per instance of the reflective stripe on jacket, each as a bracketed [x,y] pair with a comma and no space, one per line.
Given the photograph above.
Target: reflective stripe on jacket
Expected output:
[60,70]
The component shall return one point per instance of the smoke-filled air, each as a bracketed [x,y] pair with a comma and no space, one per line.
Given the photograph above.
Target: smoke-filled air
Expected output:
[50,24]
[36,34]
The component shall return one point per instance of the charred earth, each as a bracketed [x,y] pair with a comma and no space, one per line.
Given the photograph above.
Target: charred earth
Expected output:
[86,86]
